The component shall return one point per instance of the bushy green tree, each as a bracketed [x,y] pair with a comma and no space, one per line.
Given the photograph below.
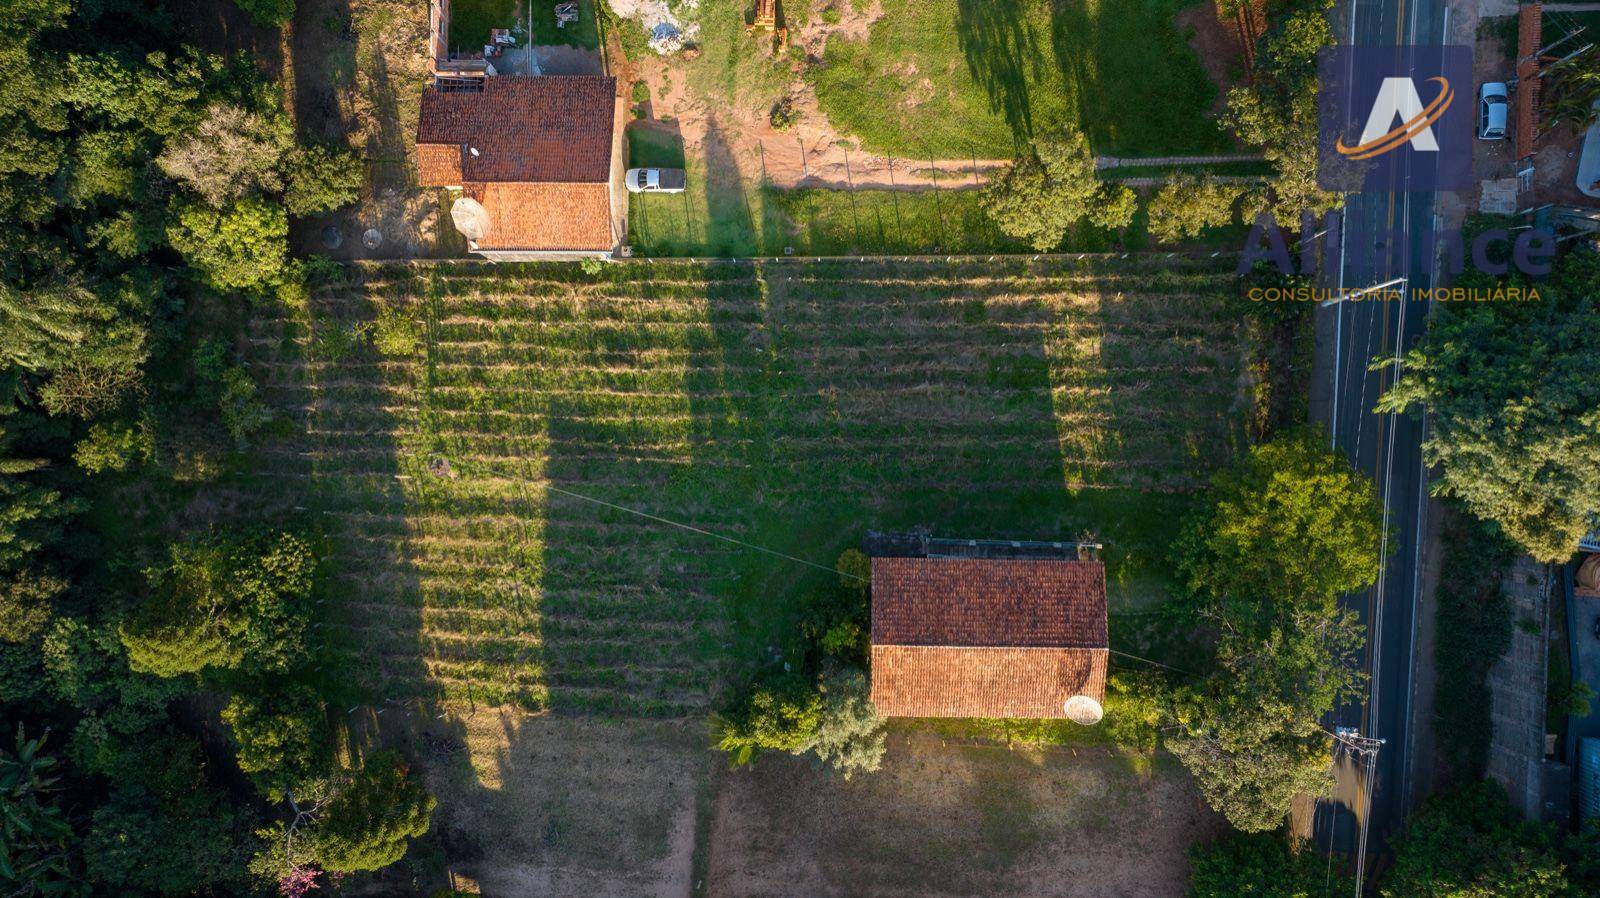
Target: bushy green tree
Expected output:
[1514,390]
[1251,733]
[1114,206]
[1043,194]
[1291,521]
[369,821]
[1282,535]
[268,13]
[281,736]
[1187,205]
[1261,866]
[321,178]
[113,447]
[25,602]
[221,603]
[779,713]
[166,829]
[241,246]
[1472,844]
[31,515]
[849,735]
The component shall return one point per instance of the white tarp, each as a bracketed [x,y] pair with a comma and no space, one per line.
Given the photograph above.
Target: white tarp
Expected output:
[667,34]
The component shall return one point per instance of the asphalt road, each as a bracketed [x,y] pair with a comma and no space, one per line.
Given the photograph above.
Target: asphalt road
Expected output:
[1385,447]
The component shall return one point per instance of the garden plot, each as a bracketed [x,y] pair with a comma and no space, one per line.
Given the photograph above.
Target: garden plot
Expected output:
[471,486]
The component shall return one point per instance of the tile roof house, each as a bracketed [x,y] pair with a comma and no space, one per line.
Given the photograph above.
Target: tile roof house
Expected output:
[989,637]
[538,159]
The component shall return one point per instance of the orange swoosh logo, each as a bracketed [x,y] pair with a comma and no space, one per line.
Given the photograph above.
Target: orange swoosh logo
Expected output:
[1423,120]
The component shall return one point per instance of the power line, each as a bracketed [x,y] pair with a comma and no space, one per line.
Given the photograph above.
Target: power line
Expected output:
[703,532]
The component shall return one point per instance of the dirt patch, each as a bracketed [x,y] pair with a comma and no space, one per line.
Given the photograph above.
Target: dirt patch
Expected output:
[949,819]
[1216,45]
[854,23]
[540,805]
[810,152]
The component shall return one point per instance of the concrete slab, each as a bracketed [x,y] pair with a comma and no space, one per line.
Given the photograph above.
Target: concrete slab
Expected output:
[1498,196]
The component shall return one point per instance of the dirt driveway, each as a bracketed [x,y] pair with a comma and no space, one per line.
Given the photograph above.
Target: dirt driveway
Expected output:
[947,819]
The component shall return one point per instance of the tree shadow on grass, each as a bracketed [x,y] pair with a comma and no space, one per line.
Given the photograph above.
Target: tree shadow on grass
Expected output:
[1002,50]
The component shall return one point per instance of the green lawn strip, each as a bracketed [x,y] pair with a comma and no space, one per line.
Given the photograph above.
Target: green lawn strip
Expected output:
[950,79]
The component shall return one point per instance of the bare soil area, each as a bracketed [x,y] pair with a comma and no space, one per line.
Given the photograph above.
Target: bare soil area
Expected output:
[358,70]
[810,153]
[947,819]
[542,805]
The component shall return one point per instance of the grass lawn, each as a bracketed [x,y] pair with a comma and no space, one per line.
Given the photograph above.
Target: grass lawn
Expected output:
[472,20]
[956,78]
[790,406]
[583,33]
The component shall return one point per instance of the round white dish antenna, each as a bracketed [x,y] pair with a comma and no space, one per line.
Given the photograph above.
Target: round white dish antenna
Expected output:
[1083,709]
[470,218]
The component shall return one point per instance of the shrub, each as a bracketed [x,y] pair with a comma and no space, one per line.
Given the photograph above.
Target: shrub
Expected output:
[396,334]
[778,714]
[321,178]
[243,413]
[268,13]
[849,735]
[783,115]
[112,447]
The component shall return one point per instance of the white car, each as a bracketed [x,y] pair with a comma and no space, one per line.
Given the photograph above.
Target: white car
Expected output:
[655,180]
[1492,111]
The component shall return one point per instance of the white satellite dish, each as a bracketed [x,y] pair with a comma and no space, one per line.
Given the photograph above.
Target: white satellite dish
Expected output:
[1083,709]
[470,218]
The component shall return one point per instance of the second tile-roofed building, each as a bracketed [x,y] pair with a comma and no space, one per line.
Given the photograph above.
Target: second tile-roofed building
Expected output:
[989,636]
[535,160]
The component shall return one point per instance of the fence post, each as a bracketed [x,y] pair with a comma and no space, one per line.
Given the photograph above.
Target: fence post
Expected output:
[850,179]
[938,207]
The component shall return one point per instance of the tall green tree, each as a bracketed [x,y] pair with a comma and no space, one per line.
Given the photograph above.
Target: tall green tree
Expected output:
[1514,390]
[1279,538]
[1277,109]
[371,819]
[1047,191]
[281,736]
[221,603]
[1291,521]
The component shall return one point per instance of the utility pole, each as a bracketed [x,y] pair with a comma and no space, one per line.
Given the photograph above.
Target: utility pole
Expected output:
[1366,748]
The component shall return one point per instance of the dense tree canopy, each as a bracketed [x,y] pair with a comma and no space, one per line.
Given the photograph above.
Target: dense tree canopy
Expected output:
[369,821]
[1280,537]
[1277,109]
[1514,390]
[1050,189]
[1472,844]
[1261,866]
[1292,521]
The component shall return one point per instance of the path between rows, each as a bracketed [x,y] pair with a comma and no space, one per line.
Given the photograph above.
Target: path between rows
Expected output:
[791,163]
